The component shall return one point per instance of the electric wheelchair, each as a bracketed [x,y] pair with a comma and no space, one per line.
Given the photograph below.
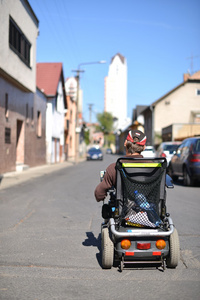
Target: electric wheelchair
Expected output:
[137,229]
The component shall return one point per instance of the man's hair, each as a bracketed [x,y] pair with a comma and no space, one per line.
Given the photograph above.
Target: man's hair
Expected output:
[133,147]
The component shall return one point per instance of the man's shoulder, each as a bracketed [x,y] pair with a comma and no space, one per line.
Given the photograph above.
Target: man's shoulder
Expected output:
[111,166]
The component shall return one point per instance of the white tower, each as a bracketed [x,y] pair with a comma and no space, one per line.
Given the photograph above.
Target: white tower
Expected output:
[116,90]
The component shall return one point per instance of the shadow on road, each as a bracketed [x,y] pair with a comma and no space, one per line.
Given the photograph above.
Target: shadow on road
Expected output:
[91,240]
[179,182]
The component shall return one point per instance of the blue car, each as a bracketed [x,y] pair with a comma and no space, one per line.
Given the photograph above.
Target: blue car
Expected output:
[94,154]
[186,162]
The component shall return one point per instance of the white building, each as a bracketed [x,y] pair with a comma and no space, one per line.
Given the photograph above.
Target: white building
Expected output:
[116,91]
[71,90]
[19,31]
[50,80]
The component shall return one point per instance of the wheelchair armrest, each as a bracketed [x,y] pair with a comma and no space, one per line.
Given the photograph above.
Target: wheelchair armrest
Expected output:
[169,182]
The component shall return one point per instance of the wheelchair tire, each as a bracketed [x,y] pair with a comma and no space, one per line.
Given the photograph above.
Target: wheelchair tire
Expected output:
[174,252]
[107,249]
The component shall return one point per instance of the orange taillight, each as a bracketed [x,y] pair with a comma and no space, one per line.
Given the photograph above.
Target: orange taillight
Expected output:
[160,244]
[125,244]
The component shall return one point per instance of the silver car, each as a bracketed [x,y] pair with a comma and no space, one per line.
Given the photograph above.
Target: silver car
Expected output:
[149,152]
[167,149]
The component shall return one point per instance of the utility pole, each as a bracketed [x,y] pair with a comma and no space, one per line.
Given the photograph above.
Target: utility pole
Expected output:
[78,129]
[90,110]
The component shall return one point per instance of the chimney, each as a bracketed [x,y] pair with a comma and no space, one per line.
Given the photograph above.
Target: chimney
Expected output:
[186,76]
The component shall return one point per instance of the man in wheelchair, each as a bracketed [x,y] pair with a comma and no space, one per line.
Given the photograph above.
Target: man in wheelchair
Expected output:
[136,228]
[134,145]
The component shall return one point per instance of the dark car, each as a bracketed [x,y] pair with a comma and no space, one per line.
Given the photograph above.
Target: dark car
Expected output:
[94,154]
[186,161]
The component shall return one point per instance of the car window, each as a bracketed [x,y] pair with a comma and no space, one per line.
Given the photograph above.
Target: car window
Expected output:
[197,146]
[149,149]
[180,148]
[94,150]
[187,147]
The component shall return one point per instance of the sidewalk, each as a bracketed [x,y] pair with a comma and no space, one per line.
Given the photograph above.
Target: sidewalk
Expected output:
[14,178]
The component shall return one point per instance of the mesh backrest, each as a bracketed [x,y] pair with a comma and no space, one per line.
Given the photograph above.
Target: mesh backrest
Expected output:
[140,186]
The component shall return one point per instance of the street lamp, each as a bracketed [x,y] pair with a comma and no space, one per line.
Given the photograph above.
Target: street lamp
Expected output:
[78,71]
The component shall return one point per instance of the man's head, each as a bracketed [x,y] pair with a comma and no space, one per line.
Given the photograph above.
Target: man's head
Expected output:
[135,142]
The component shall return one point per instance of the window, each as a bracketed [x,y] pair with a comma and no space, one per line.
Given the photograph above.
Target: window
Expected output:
[197,118]
[7,135]
[198,92]
[6,106]
[19,43]
[39,124]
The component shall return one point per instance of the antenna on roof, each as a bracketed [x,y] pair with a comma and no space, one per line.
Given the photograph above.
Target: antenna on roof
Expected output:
[191,64]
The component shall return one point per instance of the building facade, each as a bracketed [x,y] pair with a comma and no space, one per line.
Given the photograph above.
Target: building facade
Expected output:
[22,108]
[50,80]
[71,91]
[179,106]
[115,101]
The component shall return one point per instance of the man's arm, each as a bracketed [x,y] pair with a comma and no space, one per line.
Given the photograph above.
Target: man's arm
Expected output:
[103,187]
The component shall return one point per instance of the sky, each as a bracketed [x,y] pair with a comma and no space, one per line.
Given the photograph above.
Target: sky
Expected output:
[160,40]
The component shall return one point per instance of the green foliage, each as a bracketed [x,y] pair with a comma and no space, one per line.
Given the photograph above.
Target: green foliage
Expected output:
[106,126]
[87,136]
[105,122]
[111,139]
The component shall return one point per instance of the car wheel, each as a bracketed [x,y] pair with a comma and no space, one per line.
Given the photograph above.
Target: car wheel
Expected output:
[187,180]
[107,249]
[170,172]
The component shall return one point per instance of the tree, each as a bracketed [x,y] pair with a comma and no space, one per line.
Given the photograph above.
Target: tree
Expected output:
[106,126]
[87,136]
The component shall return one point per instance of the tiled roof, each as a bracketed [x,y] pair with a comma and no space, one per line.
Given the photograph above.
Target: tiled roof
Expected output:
[186,78]
[195,75]
[47,77]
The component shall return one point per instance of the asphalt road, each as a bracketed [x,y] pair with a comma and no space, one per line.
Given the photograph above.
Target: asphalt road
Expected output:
[50,241]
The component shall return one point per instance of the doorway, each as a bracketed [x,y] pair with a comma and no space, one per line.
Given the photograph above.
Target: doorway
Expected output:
[20,142]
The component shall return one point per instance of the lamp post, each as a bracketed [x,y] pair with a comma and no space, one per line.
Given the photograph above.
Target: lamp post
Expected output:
[78,71]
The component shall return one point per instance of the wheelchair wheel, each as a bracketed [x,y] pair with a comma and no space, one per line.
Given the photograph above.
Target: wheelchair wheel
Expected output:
[174,246]
[107,249]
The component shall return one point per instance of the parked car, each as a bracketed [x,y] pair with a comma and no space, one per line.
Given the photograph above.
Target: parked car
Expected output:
[186,161]
[94,153]
[167,149]
[109,151]
[149,151]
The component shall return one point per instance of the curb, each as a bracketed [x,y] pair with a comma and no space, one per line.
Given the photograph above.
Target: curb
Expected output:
[13,178]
